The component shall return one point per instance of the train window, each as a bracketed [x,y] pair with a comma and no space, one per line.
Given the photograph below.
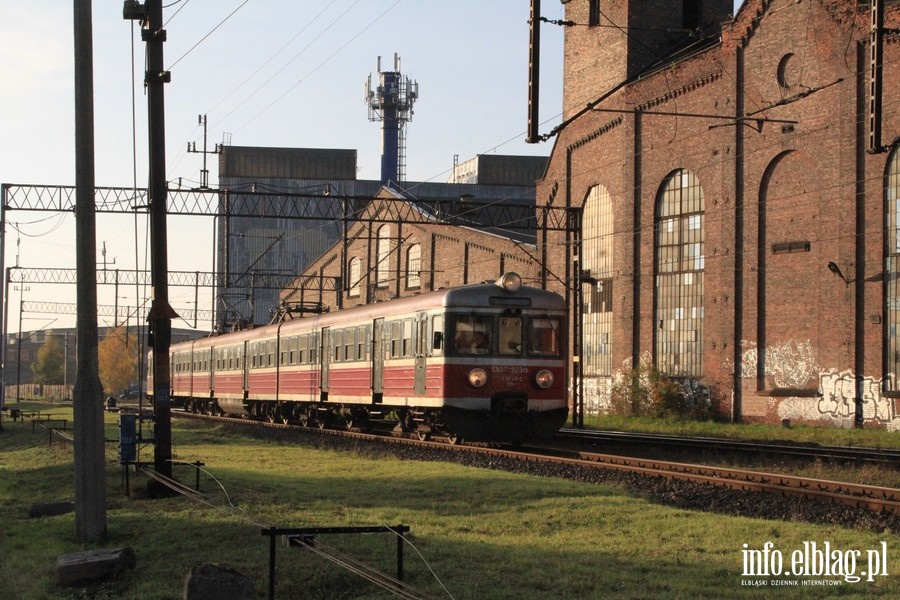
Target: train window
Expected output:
[437,335]
[314,348]
[543,337]
[510,336]
[271,353]
[407,337]
[396,339]
[472,334]
[289,355]
[362,336]
[336,337]
[350,344]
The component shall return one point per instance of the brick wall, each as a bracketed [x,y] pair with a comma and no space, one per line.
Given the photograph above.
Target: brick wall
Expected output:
[784,196]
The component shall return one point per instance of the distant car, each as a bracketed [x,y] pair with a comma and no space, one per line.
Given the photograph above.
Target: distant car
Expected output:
[130,394]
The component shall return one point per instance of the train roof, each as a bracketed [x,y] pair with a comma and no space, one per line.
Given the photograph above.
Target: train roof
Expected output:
[474,295]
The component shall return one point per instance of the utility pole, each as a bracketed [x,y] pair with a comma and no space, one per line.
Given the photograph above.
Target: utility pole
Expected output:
[534,73]
[90,438]
[160,318]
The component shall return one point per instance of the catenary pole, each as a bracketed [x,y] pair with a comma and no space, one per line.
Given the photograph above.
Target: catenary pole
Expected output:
[161,313]
[90,460]
[150,14]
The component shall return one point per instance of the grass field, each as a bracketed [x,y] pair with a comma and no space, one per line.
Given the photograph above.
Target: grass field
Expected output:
[477,534]
[826,436]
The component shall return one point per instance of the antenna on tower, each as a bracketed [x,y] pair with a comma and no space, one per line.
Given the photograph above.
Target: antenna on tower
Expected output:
[192,147]
[391,102]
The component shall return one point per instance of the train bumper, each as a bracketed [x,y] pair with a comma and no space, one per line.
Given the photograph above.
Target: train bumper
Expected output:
[500,424]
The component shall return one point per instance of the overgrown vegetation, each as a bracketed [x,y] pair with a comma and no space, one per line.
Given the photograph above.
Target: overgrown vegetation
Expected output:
[49,365]
[118,360]
[645,392]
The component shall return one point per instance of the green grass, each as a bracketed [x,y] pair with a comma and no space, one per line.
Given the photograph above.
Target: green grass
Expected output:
[826,436]
[485,534]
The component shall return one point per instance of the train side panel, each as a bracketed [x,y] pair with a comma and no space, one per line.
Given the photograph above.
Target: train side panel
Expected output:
[482,361]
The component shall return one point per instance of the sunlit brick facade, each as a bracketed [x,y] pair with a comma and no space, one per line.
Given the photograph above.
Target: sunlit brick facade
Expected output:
[738,184]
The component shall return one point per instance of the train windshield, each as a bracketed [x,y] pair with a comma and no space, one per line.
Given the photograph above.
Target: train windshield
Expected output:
[543,337]
[510,336]
[472,334]
[507,335]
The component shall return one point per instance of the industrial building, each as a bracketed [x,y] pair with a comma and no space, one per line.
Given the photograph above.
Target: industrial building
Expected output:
[322,183]
[326,199]
[379,260]
[737,180]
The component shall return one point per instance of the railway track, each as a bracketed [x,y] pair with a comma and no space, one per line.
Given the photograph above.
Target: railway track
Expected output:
[889,457]
[877,499]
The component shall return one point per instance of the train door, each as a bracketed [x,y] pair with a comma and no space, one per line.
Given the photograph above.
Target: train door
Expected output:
[420,345]
[210,370]
[244,365]
[325,366]
[378,361]
[213,365]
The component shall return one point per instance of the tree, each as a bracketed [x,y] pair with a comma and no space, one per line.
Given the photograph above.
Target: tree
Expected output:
[48,368]
[118,358]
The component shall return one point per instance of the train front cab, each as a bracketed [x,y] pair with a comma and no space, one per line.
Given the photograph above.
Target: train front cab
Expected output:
[506,371]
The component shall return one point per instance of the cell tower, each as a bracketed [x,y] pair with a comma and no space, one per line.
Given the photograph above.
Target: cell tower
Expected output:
[391,102]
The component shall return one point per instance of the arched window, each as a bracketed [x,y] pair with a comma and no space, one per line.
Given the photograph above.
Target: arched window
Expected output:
[383,256]
[414,266]
[597,271]
[354,274]
[679,276]
[892,268]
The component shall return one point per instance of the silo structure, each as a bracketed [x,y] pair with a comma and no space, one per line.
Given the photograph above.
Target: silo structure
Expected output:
[391,102]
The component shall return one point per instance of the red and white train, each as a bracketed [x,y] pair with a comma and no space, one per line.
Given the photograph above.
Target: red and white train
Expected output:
[483,362]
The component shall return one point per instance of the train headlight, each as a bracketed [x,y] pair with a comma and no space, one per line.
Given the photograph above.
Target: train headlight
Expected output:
[510,282]
[543,379]
[477,377]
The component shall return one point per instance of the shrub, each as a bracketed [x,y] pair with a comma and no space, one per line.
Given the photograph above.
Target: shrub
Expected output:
[645,392]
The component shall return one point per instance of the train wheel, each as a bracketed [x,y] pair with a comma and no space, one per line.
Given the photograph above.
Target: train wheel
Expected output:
[280,413]
[453,439]
[423,435]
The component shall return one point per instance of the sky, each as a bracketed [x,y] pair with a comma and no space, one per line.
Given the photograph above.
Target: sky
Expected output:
[264,73]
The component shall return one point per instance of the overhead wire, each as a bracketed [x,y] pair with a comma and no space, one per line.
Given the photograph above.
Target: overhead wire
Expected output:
[285,66]
[414,187]
[319,66]
[213,30]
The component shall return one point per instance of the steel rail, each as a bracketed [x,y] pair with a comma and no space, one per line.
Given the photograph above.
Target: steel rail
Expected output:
[873,498]
[889,456]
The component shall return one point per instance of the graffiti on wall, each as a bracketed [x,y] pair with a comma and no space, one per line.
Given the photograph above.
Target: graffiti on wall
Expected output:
[793,365]
[597,391]
[790,364]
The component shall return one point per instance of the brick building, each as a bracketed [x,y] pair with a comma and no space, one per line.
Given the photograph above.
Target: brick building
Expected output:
[254,243]
[391,258]
[738,183]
